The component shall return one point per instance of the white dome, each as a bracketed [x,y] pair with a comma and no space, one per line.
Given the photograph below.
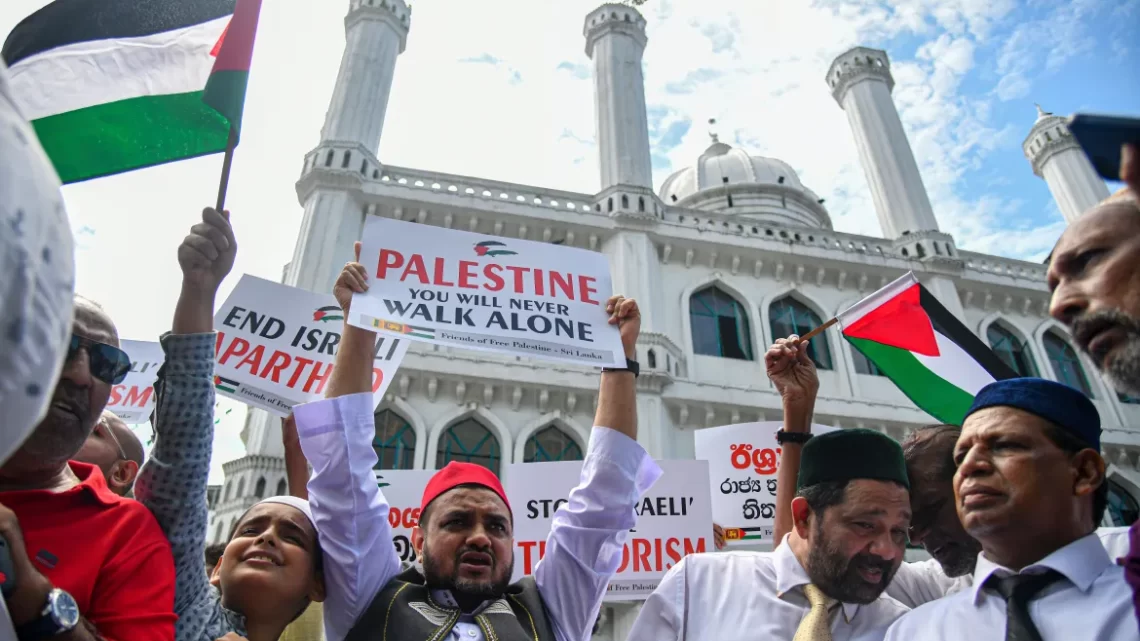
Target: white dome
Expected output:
[729,180]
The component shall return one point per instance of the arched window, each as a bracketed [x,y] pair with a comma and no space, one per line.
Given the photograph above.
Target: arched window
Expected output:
[218,533]
[863,365]
[720,325]
[789,316]
[229,488]
[259,489]
[551,444]
[651,358]
[1010,350]
[1122,507]
[282,488]
[1065,363]
[468,441]
[241,488]
[395,442]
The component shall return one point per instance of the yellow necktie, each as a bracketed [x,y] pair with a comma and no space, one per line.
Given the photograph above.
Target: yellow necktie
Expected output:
[816,626]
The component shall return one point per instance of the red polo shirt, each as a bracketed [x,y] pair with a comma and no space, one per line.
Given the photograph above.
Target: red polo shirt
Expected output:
[106,551]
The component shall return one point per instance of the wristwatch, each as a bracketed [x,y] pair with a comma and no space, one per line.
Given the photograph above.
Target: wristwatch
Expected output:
[630,366]
[60,614]
[792,437]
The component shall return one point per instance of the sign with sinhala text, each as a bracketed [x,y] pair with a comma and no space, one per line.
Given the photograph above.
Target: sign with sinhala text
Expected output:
[488,293]
[133,399]
[276,346]
[674,519]
[404,490]
[743,460]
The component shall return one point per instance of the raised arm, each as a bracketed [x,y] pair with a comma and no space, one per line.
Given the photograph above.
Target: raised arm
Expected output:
[794,375]
[172,483]
[584,548]
[296,465]
[351,513]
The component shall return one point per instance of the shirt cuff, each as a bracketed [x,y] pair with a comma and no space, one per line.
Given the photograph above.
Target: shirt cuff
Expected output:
[336,414]
[626,454]
[188,354]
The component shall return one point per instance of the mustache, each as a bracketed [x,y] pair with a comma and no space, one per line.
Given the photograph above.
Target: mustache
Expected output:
[1085,326]
[866,561]
[70,394]
[466,549]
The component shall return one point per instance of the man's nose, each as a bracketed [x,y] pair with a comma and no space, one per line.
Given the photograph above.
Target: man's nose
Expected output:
[77,369]
[885,547]
[1067,303]
[478,538]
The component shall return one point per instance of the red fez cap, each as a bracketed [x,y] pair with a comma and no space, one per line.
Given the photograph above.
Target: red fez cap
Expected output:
[455,474]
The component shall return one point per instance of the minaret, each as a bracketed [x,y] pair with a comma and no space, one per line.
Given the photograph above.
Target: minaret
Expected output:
[376,32]
[861,83]
[1057,157]
[615,40]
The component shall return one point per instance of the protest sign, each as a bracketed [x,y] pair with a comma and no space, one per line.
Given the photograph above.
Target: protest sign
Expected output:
[674,520]
[404,490]
[459,288]
[133,399]
[276,345]
[743,460]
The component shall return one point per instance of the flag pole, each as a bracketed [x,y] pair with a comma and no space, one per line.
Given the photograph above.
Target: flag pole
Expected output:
[819,330]
[227,164]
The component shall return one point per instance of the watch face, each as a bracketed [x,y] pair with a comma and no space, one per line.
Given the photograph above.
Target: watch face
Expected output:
[64,610]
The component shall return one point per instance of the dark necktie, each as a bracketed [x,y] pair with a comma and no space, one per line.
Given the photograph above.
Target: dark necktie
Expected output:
[1018,590]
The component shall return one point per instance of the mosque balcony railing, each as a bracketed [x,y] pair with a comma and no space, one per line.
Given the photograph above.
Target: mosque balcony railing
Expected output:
[985,267]
[483,190]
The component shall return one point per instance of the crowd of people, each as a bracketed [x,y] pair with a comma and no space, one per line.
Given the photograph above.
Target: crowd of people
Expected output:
[102,541]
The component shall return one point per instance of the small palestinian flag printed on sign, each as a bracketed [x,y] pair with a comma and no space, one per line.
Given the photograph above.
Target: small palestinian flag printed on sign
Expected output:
[493,248]
[380,480]
[923,348]
[409,330]
[326,314]
[225,384]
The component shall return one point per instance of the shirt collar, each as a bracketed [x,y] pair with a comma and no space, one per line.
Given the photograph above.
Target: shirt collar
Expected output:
[1081,562]
[790,574]
[444,597]
[92,483]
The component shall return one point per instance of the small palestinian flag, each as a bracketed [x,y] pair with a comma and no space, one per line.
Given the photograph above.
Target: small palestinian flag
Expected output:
[112,86]
[924,349]
[329,313]
[225,385]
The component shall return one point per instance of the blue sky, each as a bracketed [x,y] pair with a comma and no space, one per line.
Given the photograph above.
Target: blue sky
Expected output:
[502,89]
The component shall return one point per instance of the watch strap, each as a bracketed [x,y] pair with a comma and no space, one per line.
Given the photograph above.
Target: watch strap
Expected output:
[630,366]
[792,437]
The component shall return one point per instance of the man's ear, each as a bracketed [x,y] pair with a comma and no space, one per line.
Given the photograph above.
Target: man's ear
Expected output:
[216,573]
[801,517]
[1089,472]
[123,475]
[317,592]
[418,542]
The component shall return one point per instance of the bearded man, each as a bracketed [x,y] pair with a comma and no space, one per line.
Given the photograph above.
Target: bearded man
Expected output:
[465,538]
[826,578]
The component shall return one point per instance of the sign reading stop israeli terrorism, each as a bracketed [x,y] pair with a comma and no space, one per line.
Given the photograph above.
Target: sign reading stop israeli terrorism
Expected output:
[488,293]
[133,399]
[276,346]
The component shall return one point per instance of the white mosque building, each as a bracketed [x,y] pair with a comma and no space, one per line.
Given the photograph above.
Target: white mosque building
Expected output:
[725,256]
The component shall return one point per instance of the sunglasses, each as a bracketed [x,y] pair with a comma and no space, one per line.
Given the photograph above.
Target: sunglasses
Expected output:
[108,363]
[103,429]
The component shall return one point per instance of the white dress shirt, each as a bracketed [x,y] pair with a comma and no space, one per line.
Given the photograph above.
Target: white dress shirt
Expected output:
[922,582]
[1091,603]
[744,596]
[583,551]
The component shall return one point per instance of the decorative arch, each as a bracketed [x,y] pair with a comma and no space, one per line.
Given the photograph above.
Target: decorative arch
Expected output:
[1041,336]
[282,488]
[579,433]
[229,488]
[241,488]
[816,309]
[1009,344]
[259,488]
[728,286]
[486,418]
[416,420]
[390,441]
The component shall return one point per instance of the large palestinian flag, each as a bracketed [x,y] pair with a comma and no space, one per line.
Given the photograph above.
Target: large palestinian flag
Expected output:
[923,348]
[116,85]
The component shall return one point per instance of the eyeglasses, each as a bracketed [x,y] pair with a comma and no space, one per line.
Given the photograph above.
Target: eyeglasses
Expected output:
[107,362]
[105,428]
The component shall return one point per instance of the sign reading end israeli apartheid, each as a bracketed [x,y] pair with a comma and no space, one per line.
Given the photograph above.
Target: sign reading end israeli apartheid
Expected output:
[743,461]
[404,490]
[674,519]
[133,399]
[276,346]
[488,293]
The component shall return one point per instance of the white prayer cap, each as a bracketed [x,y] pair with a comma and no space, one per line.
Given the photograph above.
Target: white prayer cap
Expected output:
[291,501]
[37,276]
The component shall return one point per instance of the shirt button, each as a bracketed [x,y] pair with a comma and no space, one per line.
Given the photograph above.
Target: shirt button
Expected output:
[470,633]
